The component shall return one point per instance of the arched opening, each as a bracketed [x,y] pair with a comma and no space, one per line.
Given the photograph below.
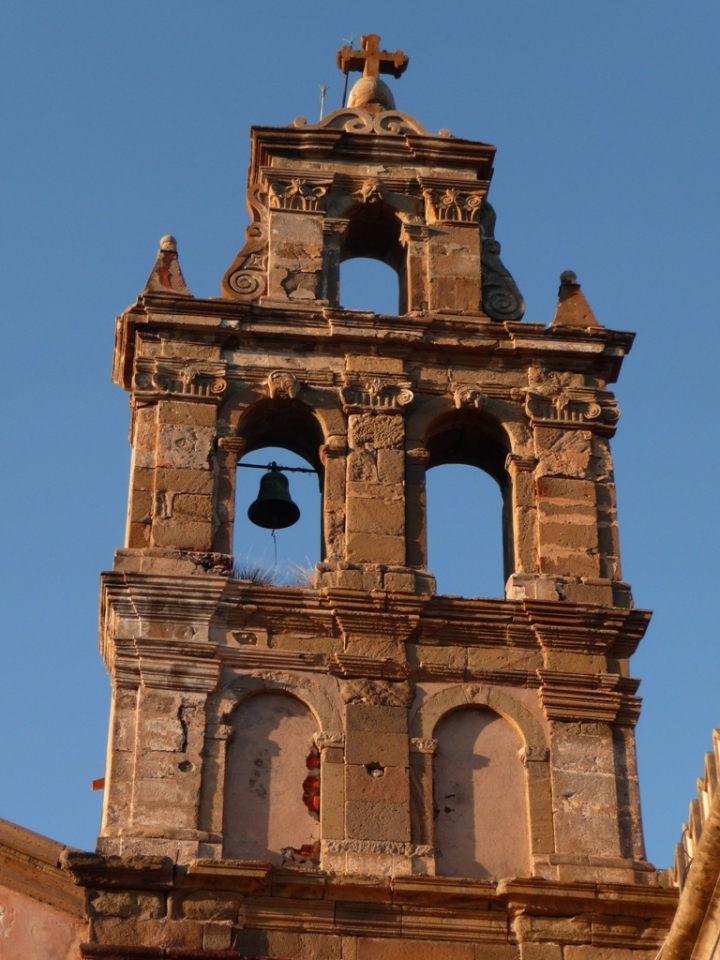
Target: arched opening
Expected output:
[480,797]
[270,760]
[468,505]
[372,238]
[464,531]
[367,284]
[285,432]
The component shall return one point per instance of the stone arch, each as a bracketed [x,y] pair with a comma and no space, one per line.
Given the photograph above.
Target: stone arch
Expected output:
[467,428]
[302,419]
[241,689]
[534,755]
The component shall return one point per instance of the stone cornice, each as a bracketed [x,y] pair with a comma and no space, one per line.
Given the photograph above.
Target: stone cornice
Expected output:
[604,914]
[180,632]
[228,322]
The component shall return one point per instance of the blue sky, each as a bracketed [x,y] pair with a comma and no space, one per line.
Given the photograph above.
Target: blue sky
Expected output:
[123,122]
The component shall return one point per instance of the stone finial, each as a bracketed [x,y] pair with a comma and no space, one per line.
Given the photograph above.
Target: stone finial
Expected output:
[573,310]
[166,276]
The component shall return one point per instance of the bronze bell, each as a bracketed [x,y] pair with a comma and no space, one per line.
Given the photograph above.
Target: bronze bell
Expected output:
[273,508]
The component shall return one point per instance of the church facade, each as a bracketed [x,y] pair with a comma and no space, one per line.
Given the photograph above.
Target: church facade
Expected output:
[360,768]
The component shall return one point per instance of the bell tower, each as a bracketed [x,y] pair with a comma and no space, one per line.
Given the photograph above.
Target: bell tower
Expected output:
[364,769]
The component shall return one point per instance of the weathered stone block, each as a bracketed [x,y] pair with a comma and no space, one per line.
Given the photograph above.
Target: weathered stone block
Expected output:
[387,749]
[375,548]
[371,717]
[377,785]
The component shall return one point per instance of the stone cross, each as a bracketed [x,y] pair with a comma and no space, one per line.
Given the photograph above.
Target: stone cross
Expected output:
[371,61]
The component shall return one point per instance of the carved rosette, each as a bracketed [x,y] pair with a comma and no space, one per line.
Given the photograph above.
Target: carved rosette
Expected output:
[574,409]
[377,396]
[198,381]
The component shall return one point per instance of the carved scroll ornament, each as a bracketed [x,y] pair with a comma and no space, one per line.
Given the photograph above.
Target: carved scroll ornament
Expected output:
[357,120]
[247,277]
[501,299]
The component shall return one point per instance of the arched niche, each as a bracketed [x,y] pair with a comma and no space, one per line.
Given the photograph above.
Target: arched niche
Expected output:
[471,437]
[269,759]
[479,797]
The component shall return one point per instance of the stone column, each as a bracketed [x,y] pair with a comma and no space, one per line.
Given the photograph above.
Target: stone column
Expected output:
[334,231]
[414,237]
[454,284]
[416,461]
[522,519]
[229,451]
[422,751]
[333,454]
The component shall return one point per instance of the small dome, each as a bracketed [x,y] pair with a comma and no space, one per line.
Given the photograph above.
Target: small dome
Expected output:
[373,94]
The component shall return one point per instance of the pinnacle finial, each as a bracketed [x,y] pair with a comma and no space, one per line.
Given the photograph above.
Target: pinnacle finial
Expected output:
[573,310]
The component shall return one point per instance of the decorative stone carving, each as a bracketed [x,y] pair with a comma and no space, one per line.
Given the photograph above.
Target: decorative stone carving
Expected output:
[452,204]
[357,120]
[200,381]
[584,409]
[283,384]
[377,395]
[372,191]
[501,299]
[247,277]
[297,194]
[235,446]
[468,395]
[424,745]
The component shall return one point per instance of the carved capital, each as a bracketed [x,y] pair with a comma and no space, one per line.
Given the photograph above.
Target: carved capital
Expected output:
[156,378]
[234,447]
[452,205]
[378,396]
[294,193]
[329,738]
[516,464]
[333,448]
[424,745]
[578,409]
[418,456]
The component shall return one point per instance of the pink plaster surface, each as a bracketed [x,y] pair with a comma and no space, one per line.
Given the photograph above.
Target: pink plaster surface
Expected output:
[480,797]
[34,931]
[264,813]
